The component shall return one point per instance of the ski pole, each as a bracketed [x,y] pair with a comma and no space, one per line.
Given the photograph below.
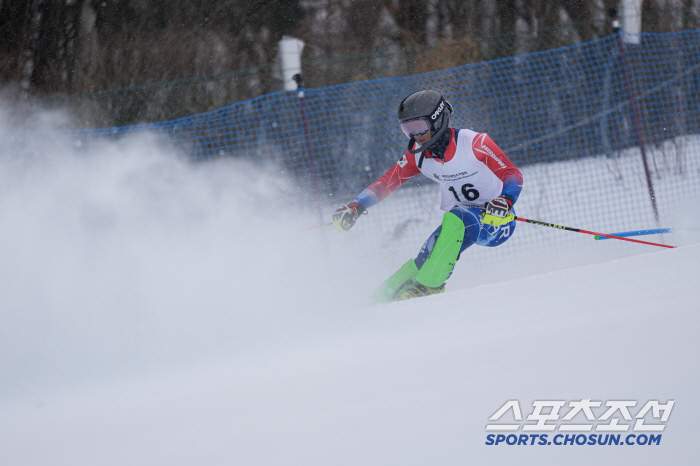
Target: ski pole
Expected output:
[316,226]
[639,232]
[578,230]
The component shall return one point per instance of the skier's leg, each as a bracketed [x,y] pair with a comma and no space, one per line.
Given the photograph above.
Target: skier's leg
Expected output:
[439,264]
[500,234]
[480,233]
[435,261]
[394,286]
[473,231]
[412,281]
[437,258]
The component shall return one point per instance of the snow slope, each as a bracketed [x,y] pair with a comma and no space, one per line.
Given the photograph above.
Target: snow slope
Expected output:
[405,383]
[159,313]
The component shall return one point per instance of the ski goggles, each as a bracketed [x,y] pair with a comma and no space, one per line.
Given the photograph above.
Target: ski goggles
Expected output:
[417,127]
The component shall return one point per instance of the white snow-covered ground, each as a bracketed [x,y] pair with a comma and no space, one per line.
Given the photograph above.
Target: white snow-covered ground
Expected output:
[158,313]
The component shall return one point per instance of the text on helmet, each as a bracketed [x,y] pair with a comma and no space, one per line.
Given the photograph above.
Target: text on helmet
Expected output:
[438,111]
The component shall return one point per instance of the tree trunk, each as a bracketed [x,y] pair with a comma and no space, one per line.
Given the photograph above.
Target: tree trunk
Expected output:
[87,56]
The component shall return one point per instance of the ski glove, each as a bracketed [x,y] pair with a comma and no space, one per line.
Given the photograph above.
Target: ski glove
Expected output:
[497,211]
[345,217]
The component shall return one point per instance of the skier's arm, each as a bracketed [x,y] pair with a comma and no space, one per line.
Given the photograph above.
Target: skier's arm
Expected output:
[346,216]
[402,171]
[493,157]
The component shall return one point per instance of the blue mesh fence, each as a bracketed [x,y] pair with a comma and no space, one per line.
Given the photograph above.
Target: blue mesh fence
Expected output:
[566,118]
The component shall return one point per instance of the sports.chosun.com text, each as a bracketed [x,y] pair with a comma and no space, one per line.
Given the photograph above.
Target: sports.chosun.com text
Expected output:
[573,439]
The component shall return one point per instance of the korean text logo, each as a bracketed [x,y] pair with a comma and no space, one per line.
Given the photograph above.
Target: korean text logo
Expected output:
[555,422]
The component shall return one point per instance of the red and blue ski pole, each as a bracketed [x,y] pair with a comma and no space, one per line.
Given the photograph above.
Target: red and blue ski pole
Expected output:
[315,227]
[578,230]
[625,234]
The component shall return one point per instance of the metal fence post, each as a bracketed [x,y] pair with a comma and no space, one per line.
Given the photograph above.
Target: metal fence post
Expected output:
[635,112]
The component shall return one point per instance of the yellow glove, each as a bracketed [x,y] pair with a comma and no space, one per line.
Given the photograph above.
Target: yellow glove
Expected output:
[496,212]
[345,217]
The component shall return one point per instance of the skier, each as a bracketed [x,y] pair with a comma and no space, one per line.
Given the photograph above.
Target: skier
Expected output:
[478,183]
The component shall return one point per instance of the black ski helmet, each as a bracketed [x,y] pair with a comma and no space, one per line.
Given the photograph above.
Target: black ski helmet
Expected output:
[432,106]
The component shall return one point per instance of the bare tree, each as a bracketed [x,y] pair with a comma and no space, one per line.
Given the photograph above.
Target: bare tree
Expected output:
[80,46]
[411,18]
[72,46]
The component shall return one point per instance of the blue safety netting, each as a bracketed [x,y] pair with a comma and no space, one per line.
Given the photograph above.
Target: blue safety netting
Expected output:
[576,120]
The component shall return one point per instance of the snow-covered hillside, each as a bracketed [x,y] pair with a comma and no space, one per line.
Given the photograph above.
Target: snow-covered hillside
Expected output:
[407,383]
[159,313]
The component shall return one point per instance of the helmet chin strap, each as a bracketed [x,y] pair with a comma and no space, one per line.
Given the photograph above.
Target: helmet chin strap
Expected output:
[430,142]
[426,146]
